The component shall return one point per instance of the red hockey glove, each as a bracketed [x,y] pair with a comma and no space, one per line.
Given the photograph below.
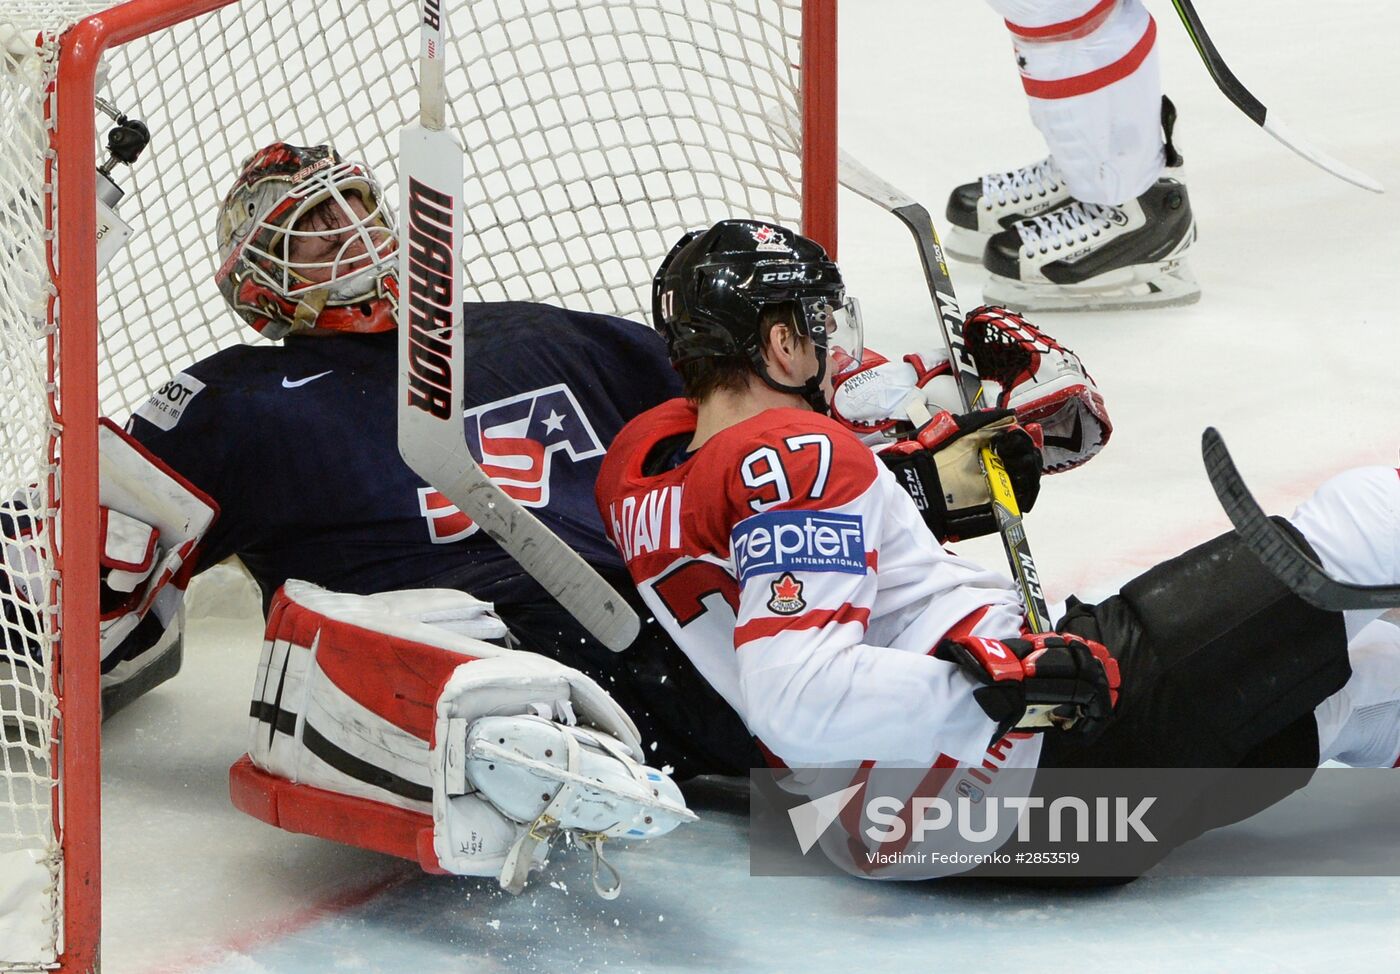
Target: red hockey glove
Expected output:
[941,469]
[1075,676]
[1044,382]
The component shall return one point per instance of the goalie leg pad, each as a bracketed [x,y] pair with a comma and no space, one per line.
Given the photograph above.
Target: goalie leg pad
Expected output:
[346,690]
[362,715]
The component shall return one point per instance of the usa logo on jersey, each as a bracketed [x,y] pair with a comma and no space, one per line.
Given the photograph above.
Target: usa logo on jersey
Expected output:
[516,441]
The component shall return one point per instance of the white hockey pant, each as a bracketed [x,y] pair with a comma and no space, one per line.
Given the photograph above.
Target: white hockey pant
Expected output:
[1091,72]
[1353,523]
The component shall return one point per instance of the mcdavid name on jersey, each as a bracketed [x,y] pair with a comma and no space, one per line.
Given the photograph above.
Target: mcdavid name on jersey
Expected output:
[799,541]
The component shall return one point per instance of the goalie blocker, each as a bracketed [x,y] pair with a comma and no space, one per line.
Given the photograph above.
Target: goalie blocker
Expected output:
[151,523]
[390,722]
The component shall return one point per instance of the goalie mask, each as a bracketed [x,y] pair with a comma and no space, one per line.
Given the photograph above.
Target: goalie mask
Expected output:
[711,292]
[306,241]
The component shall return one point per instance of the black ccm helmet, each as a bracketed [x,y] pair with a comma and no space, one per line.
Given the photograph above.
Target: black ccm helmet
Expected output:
[711,290]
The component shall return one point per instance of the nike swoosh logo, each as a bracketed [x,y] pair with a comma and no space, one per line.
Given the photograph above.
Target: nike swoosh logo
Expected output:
[293,383]
[1072,443]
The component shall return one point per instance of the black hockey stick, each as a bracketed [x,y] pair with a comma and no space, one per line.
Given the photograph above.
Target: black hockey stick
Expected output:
[913,215]
[1245,101]
[1276,548]
[863,182]
[860,180]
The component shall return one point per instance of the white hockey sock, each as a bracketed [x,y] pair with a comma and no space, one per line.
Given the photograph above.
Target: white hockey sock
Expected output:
[1359,725]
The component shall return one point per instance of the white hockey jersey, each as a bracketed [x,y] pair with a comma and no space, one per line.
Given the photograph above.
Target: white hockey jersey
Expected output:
[796,574]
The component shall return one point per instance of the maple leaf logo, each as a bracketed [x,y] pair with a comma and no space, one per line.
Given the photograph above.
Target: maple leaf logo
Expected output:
[769,238]
[787,596]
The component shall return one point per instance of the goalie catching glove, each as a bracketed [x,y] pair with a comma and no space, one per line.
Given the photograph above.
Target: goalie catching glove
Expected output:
[1077,677]
[1022,369]
[940,467]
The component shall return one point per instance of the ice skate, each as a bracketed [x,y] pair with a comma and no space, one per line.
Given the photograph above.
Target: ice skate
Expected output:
[980,209]
[1087,257]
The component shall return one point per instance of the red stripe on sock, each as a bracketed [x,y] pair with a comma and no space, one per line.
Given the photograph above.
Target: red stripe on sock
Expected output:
[1066,30]
[1082,84]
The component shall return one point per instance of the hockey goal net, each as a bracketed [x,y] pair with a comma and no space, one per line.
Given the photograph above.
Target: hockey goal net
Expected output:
[596,131]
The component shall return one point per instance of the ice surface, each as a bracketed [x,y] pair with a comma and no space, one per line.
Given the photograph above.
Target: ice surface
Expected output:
[1292,352]
[25,927]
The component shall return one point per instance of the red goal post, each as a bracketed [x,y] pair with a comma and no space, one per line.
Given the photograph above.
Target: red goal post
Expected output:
[596,131]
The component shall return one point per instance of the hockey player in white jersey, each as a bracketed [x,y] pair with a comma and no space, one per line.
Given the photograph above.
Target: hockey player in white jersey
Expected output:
[791,565]
[1105,220]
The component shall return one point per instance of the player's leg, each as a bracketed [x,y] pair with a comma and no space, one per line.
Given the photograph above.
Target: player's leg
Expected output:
[1217,659]
[1359,725]
[1223,667]
[387,722]
[1115,238]
[1091,74]
[1352,522]
[1053,41]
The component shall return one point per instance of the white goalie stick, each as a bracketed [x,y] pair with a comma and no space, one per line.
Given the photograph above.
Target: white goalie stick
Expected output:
[432,437]
[863,182]
[1275,547]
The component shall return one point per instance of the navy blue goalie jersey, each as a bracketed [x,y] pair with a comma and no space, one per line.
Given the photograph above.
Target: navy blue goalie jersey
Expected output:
[297,445]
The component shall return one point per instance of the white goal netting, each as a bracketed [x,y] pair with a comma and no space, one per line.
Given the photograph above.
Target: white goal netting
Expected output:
[596,131]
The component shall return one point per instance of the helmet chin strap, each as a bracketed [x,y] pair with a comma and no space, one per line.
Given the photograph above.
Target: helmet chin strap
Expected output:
[810,391]
[309,308]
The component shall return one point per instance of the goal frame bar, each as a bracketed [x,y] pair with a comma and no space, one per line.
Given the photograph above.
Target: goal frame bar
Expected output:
[72,265]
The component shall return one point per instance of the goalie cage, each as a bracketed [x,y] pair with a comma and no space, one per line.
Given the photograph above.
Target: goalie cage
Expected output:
[596,131]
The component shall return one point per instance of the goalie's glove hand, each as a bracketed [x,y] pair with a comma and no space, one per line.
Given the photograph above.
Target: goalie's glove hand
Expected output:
[130,551]
[1026,370]
[1077,677]
[941,469]
[131,557]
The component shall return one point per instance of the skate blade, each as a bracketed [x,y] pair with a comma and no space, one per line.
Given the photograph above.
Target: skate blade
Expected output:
[1168,285]
[963,244]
